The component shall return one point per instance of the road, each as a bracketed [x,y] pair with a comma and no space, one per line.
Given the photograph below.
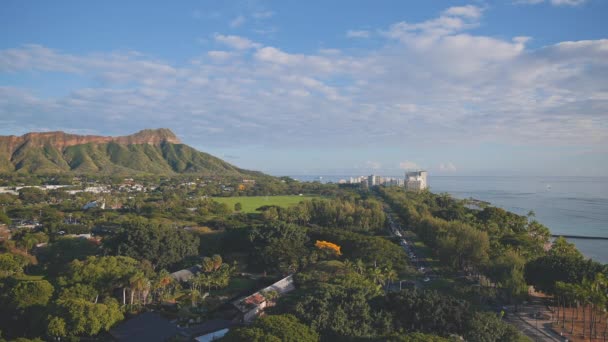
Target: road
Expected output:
[536,329]
[421,264]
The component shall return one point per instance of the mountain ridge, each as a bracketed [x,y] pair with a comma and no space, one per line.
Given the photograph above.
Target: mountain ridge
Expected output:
[153,151]
[61,140]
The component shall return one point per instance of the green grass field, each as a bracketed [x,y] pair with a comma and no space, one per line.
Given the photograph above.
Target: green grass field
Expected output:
[251,203]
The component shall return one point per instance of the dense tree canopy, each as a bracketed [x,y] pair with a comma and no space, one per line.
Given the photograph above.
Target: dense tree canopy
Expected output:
[285,328]
[29,293]
[161,245]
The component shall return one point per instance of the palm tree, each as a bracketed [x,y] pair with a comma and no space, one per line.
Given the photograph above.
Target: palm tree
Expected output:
[391,275]
[205,280]
[163,281]
[138,283]
[377,276]
[195,285]
[599,289]
[208,264]
[348,265]
[585,296]
[217,261]
[271,296]
[359,266]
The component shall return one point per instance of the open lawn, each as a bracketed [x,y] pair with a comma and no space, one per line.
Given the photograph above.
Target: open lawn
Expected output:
[251,203]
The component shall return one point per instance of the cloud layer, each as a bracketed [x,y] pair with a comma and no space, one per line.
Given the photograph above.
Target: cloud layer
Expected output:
[429,82]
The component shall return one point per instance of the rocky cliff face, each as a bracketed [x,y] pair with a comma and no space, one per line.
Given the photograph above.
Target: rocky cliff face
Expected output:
[61,140]
[151,151]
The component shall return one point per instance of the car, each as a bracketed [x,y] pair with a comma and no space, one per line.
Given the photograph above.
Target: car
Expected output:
[426,279]
[421,269]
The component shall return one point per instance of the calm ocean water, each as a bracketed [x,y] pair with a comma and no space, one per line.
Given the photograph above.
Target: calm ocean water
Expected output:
[567,205]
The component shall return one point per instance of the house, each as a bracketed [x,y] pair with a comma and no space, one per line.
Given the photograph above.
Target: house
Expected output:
[145,327]
[253,306]
[209,331]
[187,273]
[152,327]
[94,204]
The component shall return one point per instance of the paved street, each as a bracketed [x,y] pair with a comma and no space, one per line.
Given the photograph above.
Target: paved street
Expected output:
[524,321]
[534,320]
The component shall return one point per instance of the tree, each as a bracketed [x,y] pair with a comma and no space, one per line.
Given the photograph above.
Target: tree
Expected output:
[272,328]
[464,246]
[161,245]
[29,293]
[207,264]
[488,327]
[56,328]
[326,245]
[162,285]
[417,337]
[545,271]
[4,219]
[390,275]
[336,311]
[56,257]
[507,270]
[238,206]
[139,285]
[104,273]
[426,311]
[217,261]
[11,264]
[279,246]
[271,295]
[79,291]
[85,318]
[30,195]
[51,220]
[562,248]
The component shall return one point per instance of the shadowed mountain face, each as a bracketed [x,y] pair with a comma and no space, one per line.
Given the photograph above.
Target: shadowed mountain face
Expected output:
[156,151]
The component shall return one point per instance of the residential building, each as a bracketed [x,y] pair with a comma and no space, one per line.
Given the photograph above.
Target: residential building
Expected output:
[416,180]
[253,306]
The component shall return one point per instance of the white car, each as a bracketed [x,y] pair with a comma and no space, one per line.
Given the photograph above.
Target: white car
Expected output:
[426,280]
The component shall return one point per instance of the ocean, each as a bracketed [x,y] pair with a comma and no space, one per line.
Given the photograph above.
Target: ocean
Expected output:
[567,205]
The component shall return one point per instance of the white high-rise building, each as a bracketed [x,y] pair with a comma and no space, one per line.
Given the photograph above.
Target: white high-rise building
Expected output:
[374,180]
[416,180]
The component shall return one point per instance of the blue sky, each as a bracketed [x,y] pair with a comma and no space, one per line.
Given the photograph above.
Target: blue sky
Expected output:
[322,87]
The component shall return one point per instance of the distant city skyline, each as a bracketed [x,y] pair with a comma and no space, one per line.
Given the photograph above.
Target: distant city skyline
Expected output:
[514,87]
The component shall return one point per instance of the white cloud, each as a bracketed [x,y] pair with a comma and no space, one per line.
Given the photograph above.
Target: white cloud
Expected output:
[358,34]
[453,20]
[237,22]
[236,42]
[432,82]
[408,165]
[552,2]
[220,55]
[568,2]
[469,11]
[447,167]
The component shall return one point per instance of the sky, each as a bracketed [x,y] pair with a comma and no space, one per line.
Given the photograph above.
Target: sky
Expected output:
[514,87]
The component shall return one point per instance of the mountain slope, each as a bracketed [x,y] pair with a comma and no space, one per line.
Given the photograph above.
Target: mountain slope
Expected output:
[148,151]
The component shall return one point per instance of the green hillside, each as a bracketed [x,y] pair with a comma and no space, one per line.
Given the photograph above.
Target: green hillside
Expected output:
[113,158]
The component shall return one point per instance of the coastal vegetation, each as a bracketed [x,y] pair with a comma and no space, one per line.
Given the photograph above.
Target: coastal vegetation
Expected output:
[181,246]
